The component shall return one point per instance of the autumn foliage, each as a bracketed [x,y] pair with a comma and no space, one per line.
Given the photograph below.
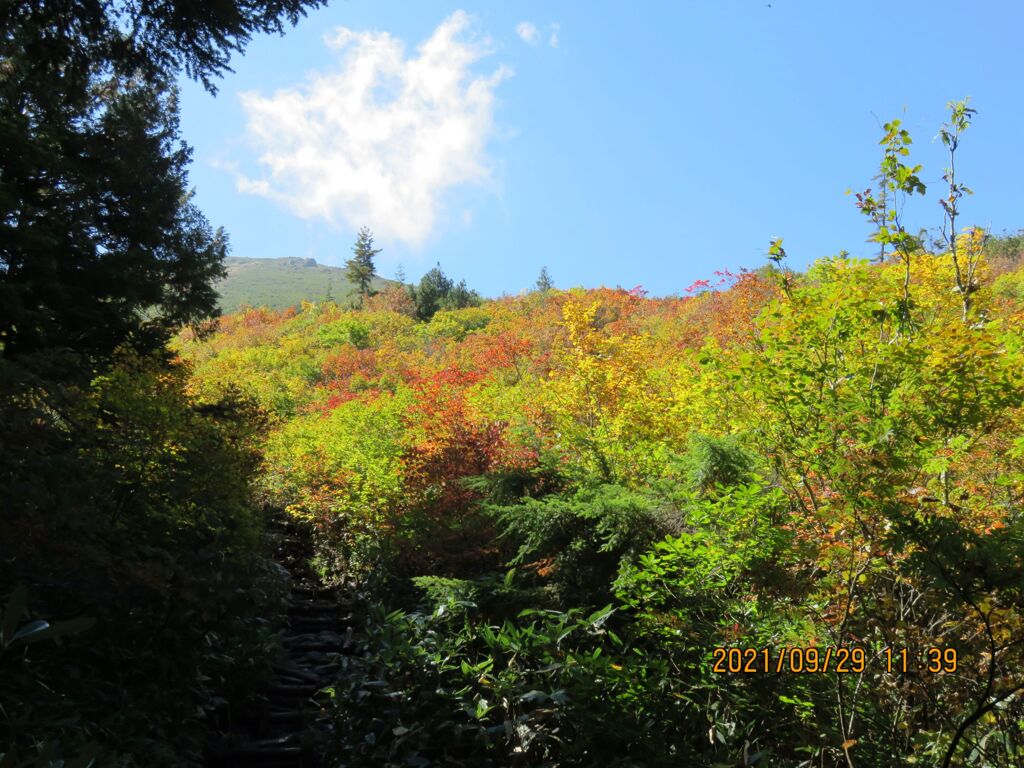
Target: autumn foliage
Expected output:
[769,460]
[873,504]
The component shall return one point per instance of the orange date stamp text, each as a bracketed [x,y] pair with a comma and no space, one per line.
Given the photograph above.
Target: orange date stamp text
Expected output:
[835,659]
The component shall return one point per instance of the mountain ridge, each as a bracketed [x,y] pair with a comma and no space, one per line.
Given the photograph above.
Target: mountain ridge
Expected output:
[282,282]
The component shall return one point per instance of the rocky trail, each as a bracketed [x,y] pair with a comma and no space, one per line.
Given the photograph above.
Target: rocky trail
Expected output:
[286,728]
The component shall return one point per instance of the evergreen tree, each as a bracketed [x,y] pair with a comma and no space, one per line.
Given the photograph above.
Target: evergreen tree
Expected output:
[544,282]
[99,242]
[107,466]
[100,245]
[360,269]
[438,291]
[430,293]
[460,296]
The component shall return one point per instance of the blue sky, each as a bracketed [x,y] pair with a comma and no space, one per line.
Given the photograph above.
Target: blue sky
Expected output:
[615,143]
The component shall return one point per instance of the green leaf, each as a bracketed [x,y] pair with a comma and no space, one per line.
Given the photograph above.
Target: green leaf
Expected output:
[53,631]
[599,617]
[30,629]
[482,708]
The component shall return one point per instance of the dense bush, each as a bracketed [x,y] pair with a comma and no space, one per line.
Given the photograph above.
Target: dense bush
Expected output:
[578,540]
[129,504]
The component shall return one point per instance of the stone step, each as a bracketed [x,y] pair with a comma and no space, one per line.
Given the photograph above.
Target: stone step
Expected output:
[285,717]
[310,590]
[296,680]
[314,606]
[297,672]
[324,637]
[248,756]
[317,661]
[281,690]
[312,646]
[313,620]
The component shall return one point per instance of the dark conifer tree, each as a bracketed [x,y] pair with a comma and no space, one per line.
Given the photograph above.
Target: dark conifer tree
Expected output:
[544,281]
[102,251]
[360,269]
[438,291]
[100,245]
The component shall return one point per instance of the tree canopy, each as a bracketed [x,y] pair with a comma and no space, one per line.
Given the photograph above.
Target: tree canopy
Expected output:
[100,244]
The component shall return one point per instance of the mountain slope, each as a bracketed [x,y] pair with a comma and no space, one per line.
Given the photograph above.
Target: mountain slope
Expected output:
[282,283]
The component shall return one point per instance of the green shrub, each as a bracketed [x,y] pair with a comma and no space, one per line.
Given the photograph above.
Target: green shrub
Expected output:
[580,538]
[717,461]
[345,331]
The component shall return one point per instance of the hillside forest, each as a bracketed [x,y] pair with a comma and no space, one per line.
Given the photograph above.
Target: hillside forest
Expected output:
[774,520]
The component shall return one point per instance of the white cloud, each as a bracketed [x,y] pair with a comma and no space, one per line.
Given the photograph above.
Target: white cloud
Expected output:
[553,39]
[378,140]
[528,32]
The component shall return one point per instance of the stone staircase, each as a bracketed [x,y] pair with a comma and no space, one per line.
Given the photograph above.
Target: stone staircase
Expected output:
[287,729]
